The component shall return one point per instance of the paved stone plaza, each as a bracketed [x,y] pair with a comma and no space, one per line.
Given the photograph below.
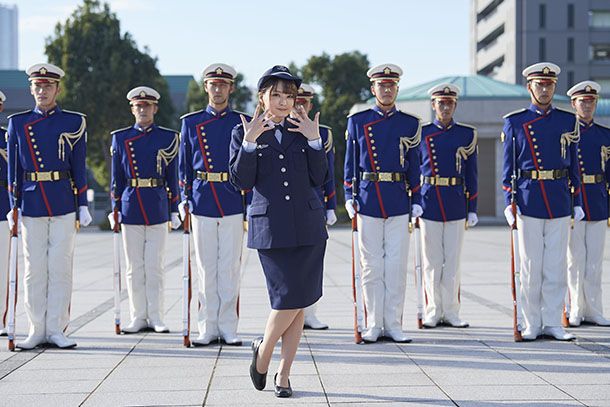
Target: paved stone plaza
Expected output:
[479,366]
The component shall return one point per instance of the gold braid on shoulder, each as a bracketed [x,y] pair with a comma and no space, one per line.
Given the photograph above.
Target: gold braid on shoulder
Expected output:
[329,142]
[463,153]
[605,153]
[407,143]
[570,137]
[3,154]
[71,139]
[166,155]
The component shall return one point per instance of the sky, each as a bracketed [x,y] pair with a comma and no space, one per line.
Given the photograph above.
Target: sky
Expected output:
[428,39]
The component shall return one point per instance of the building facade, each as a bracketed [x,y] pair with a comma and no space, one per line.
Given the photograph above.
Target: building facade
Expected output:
[509,35]
[9,43]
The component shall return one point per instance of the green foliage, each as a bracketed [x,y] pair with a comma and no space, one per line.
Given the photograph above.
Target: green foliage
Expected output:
[101,66]
[344,83]
[197,98]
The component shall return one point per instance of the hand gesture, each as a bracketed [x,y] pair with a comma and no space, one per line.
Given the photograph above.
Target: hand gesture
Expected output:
[304,125]
[259,124]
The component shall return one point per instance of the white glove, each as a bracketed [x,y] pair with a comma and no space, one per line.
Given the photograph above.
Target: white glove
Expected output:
[175,220]
[181,207]
[416,211]
[349,206]
[508,214]
[473,219]
[84,216]
[111,218]
[578,213]
[331,218]
[9,217]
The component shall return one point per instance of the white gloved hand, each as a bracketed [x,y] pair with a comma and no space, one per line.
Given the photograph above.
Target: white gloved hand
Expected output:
[9,217]
[331,218]
[508,214]
[84,216]
[578,213]
[111,218]
[175,220]
[416,211]
[181,207]
[349,206]
[473,219]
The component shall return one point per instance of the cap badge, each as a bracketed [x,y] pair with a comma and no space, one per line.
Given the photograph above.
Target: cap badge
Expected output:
[142,94]
[387,70]
[588,88]
[446,90]
[281,68]
[219,71]
[546,70]
[43,71]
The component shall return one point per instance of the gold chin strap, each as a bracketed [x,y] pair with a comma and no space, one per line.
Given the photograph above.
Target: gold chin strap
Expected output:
[570,137]
[71,139]
[463,153]
[407,143]
[166,155]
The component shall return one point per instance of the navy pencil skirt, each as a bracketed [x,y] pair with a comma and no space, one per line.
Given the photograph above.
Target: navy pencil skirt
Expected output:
[294,275]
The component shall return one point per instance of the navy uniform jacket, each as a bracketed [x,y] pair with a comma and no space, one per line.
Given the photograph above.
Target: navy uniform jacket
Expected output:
[51,141]
[285,209]
[385,143]
[593,155]
[326,192]
[4,200]
[144,153]
[539,138]
[449,152]
[206,137]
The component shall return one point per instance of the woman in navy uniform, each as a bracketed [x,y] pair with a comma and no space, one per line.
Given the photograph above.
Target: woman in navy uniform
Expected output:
[282,159]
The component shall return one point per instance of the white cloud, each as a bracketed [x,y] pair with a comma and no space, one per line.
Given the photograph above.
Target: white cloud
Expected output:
[130,5]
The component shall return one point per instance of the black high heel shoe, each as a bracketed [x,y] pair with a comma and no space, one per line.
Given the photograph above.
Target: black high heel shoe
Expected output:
[259,380]
[282,392]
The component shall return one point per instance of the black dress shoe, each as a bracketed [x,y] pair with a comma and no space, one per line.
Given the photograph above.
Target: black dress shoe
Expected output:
[259,380]
[282,392]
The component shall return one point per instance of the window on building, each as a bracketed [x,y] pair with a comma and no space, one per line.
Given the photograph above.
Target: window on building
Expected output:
[600,52]
[570,15]
[570,79]
[489,10]
[599,19]
[541,49]
[492,68]
[542,16]
[570,49]
[490,38]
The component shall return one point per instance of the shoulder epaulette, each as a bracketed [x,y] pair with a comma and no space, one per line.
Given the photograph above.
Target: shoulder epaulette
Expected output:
[122,129]
[325,127]
[168,129]
[426,124]
[19,113]
[357,113]
[565,111]
[410,115]
[466,125]
[184,116]
[506,116]
[73,112]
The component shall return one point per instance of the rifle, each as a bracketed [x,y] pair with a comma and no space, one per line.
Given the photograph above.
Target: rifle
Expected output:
[116,271]
[186,276]
[359,321]
[514,252]
[419,278]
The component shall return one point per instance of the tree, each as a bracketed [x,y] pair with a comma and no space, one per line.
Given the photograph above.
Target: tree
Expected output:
[344,83]
[197,98]
[101,66]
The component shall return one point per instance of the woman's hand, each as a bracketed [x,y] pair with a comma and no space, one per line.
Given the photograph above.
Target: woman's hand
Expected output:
[304,125]
[259,124]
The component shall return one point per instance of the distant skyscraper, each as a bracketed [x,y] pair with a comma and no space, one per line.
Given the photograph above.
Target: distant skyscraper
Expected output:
[509,35]
[9,57]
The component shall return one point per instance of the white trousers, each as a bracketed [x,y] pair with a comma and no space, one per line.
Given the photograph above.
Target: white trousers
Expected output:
[585,257]
[48,250]
[543,244]
[5,241]
[145,258]
[218,250]
[384,249]
[441,251]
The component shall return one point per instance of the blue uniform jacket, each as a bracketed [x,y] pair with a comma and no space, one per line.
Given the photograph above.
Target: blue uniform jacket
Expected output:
[449,152]
[145,153]
[593,155]
[285,209]
[4,200]
[384,143]
[206,137]
[51,141]
[326,192]
[538,146]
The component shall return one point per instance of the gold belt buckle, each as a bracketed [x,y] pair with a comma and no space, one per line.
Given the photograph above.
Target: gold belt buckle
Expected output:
[43,176]
[588,179]
[441,181]
[144,182]
[214,176]
[385,176]
[545,175]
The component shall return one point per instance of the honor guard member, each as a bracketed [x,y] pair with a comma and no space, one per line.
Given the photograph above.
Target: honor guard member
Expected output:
[449,198]
[144,188]
[326,192]
[4,236]
[46,167]
[217,207]
[587,238]
[545,143]
[387,169]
